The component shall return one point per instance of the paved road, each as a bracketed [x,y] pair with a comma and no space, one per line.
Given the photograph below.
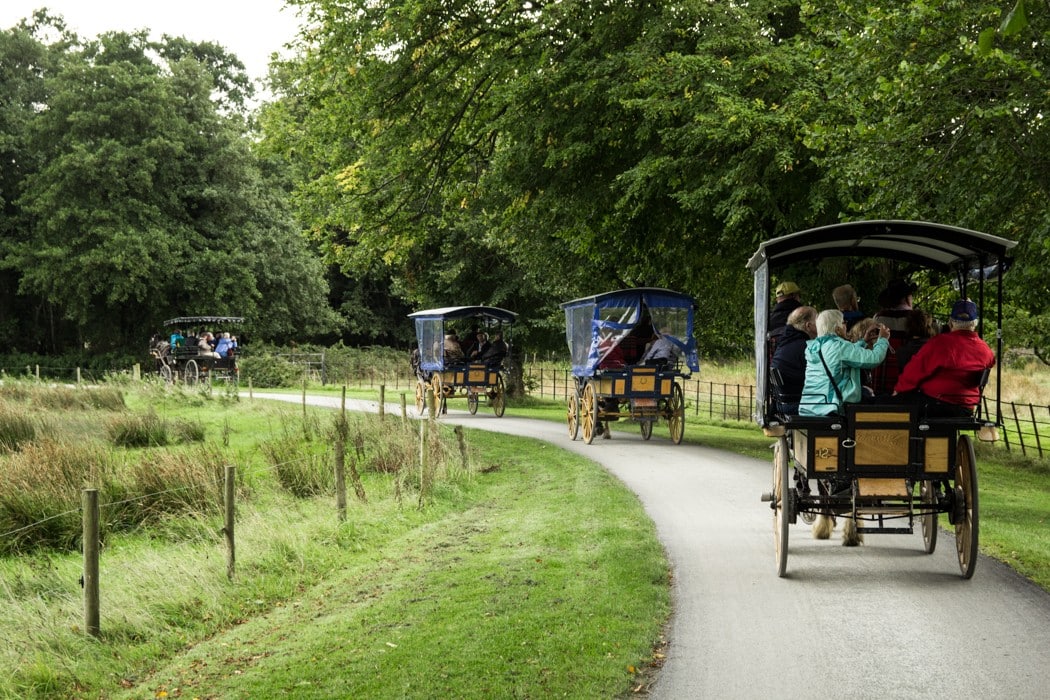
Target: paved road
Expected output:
[879,621]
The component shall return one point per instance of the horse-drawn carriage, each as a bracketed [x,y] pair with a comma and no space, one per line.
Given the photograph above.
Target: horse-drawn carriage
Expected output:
[472,366]
[180,358]
[881,464]
[608,335]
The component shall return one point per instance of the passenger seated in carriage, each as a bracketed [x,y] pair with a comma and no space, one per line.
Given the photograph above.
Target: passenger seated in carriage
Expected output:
[945,374]
[453,351]
[225,346]
[496,351]
[834,364]
[205,347]
[662,352]
[789,358]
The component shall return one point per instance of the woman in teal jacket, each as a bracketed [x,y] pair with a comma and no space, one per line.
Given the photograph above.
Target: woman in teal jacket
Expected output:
[843,361]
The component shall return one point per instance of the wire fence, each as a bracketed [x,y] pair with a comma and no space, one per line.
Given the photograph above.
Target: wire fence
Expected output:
[712,400]
[1025,426]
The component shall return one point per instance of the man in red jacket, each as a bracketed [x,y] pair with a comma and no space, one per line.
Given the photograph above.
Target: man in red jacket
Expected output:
[944,375]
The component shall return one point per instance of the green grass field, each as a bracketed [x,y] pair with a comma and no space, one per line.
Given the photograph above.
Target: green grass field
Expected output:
[523,572]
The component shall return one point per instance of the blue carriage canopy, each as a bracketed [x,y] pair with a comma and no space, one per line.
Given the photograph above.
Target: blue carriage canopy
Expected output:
[430,328]
[595,325]
[971,255]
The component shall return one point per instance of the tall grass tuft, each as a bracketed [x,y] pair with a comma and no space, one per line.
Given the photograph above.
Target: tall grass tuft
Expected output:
[173,483]
[16,428]
[109,398]
[303,465]
[40,493]
[131,430]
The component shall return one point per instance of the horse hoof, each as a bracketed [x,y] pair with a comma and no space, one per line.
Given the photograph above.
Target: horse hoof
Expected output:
[822,527]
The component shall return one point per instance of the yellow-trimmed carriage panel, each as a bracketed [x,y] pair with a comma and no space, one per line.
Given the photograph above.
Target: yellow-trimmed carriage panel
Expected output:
[937,454]
[882,487]
[887,447]
[643,382]
[826,454]
[882,417]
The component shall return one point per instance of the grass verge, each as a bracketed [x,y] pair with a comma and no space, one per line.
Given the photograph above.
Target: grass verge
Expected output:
[533,573]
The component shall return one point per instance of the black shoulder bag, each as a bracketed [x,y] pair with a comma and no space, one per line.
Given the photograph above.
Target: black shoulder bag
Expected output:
[834,385]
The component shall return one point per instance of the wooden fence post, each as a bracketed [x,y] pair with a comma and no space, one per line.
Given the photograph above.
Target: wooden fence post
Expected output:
[382,401]
[89,500]
[230,512]
[404,407]
[79,376]
[340,471]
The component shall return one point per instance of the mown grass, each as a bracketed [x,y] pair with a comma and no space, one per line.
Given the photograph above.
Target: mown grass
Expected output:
[520,571]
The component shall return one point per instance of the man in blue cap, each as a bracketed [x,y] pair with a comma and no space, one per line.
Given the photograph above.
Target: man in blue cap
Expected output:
[945,373]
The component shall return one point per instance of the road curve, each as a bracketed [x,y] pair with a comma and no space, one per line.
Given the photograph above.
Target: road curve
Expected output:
[884,620]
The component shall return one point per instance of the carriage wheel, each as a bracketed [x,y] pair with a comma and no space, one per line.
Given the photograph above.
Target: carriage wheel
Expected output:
[472,401]
[499,397]
[928,496]
[421,395]
[191,374]
[572,414]
[165,374]
[438,391]
[647,429]
[966,494]
[676,414]
[589,413]
[782,491]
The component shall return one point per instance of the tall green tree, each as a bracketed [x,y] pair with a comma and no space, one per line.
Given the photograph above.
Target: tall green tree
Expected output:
[145,201]
[940,114]
[539,151]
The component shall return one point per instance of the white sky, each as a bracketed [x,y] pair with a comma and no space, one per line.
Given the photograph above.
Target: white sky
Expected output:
[250,29]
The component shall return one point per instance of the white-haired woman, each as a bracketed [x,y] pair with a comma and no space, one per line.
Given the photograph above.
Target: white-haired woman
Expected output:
[833,378]
[834,364]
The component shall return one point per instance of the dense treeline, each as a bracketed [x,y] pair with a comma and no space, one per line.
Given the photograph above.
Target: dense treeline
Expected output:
[513,153]
[523,153]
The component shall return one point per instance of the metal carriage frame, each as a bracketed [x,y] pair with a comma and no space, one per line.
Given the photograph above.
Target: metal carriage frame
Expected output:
[186,364]
[886,467]
[451,379]
[646,393]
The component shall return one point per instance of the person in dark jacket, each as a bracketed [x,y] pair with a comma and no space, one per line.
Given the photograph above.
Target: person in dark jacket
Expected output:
[789,358]
[789,298]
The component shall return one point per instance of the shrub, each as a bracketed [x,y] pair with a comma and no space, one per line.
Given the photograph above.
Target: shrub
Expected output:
[269,371]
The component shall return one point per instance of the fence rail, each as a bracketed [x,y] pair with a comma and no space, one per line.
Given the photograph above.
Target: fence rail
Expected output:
[713,400]
[1025,426]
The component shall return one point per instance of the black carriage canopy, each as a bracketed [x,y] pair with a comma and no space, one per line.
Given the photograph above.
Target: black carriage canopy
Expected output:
[596,324]
[430,328]
[197,320]
[925,244]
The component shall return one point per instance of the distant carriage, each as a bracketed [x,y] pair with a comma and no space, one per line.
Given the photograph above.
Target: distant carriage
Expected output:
[449,375]
[881,465]
[187,363]
[607,334]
